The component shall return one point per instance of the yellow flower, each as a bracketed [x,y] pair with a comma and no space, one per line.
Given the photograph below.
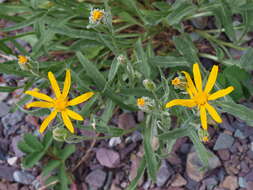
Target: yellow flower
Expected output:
[22,59]
[200,97]
[141,102]
[59,103]
[96,16]
[205,139]
[176,81]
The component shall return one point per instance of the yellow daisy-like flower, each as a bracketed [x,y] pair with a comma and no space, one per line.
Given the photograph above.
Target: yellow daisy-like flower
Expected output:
[22,59]
[60,103]
[96,16]
[176,81]
[141,102]
[205,139]
[200,97]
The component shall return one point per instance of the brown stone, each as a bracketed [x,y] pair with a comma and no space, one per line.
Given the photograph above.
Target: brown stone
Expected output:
[126,121]
[192,169]
[230,183]
[179,181]
[224,154]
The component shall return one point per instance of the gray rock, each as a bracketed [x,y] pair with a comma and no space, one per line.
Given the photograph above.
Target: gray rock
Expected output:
[6,173]
[210,183]
[4,109]
[126,121]
[164,173]
[136,136]
[239,134]
[2,155]
[224,141]
[23,177]
[96,178]
[194,166]
[1,1]
[3,95]
[242,182]
[12,119]
[185,148]
[108,158]
[114,141]
[14,145]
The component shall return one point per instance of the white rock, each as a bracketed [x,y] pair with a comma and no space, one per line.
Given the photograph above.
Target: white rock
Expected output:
[114,141]
[12,160]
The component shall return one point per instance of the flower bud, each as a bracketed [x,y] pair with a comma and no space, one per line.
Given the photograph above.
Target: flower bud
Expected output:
[60,134]
[149,84]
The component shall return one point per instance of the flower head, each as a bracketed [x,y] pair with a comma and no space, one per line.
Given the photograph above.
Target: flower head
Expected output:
[22,59]
[205,139]
[145,104]
[200,98]
[60,103]
[141,102]
[176,81]
[96,16]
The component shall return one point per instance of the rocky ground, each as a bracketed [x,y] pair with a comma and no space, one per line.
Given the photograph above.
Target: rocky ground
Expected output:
[112,163]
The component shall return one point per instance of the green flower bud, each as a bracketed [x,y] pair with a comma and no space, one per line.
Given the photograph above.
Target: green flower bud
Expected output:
[149,84]
[60,134]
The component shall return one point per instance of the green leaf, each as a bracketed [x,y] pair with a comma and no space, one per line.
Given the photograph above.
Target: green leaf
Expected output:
[32,159]
[142,59]
[246,61]
[25,23]
[140,173]
[186,48]
[113,70]
[237,110]
[8,69]
[63,178]
[174,134]
[202,152]
[224,14]
[67,151]
[168,61]
[33,142]
[25,147]
[8,88]
[180,10]
[47,140]
[100,81]
[149,153]
[50,166]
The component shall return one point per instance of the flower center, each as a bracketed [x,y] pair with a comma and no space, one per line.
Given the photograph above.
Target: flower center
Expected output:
[22,59]
[201,98]
[97,15]
[60,104]
[176,81]
[140,102]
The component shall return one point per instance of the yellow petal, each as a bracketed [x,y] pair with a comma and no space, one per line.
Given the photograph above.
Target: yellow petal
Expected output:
[181,102]
[197,77]
[54,84]
[190,84]
[40,96]
[67,84]
[211,110]
[67,121]
[211,79]
[47,121]
[39,104]
[74,115]
[221,93]
[80,99]
[203,117]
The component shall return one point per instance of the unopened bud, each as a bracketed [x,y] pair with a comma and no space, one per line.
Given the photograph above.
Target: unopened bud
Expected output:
[149,84]
[60,134]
